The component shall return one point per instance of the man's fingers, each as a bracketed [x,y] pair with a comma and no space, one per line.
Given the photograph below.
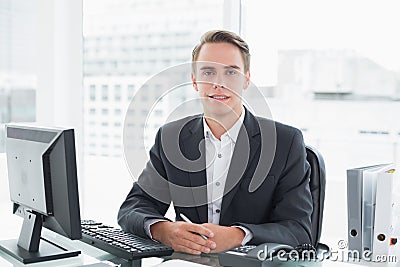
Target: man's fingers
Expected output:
[194,246]
[187,239]
[195,238]
[193,235]
[206,243]
[211,244]
[199,229]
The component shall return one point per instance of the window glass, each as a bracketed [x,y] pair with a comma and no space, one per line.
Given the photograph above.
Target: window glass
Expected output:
[18,79]
[125,43]
[17,64]
[332,69]
[336,79]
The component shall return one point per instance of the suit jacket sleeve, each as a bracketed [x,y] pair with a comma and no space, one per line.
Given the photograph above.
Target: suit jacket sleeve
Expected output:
[149,197]
[290,218]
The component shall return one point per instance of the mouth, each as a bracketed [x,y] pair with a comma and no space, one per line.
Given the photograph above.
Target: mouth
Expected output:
[219,97]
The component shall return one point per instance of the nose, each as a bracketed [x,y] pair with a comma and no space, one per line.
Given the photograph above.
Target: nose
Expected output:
[215,85]
[218,81]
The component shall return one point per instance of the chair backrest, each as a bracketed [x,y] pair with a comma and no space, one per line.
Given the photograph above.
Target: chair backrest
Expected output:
[317,187]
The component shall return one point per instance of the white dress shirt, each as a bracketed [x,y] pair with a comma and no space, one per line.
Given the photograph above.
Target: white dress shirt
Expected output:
[218,158]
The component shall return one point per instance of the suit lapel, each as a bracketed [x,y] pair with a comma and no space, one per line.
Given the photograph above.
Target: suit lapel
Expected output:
[243,154]
[198,180]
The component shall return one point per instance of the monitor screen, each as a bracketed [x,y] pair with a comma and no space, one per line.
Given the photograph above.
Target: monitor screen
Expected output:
[43,188]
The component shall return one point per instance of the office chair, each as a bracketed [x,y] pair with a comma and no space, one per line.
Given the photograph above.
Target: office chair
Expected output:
[317,187]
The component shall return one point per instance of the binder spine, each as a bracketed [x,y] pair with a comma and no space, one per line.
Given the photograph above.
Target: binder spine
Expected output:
[354,204]
[384,229]
[368,209]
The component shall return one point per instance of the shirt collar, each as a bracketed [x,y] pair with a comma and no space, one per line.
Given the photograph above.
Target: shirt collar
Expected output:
[233,132]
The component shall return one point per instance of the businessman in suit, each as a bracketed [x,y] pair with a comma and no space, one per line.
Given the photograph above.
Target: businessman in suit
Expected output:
[241,179]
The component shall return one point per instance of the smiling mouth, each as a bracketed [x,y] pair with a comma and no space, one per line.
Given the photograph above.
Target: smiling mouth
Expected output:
[219,97]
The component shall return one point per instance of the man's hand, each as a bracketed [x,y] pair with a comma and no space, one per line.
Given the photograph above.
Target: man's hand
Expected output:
[183,236]
[225,237]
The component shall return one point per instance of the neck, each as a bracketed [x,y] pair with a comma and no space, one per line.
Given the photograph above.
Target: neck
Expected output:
[220,124]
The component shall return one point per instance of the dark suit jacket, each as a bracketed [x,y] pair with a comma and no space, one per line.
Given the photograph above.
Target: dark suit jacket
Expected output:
[266,191]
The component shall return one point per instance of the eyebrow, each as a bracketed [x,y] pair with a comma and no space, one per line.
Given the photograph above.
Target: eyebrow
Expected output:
[232,67]
[207,68]
[225,67]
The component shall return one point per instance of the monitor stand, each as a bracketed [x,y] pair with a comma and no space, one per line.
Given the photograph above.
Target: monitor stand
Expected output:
[30,247]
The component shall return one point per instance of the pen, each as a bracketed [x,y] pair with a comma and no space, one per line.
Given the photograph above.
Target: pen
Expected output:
[186,219]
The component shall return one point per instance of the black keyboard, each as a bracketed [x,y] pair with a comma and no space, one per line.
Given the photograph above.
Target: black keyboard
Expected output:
[119,243]
[243,249]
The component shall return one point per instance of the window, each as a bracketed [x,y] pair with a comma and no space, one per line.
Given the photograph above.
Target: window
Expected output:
[104,92]
[129,54]
[29,90]
[117,37]
[131,91]
[144,98]
[92,92]
[117,92]
[18,74]
[330,69]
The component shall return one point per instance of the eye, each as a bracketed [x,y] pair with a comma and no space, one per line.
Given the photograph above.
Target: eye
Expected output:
[231,72]
[208,73]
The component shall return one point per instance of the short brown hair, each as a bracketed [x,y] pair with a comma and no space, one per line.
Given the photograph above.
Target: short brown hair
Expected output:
[221,36]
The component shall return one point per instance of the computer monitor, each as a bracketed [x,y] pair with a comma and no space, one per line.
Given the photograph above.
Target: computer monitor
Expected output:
[44,190]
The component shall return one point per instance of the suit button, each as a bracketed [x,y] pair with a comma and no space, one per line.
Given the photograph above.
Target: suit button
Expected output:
[217,210]
[217,183]
[219,155]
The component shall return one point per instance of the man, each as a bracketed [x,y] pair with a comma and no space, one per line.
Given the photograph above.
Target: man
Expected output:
[209,167]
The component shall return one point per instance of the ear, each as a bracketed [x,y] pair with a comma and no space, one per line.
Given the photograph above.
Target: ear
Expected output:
[194,82]
[247,81]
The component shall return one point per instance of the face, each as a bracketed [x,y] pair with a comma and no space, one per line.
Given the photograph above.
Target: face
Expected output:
[220,79]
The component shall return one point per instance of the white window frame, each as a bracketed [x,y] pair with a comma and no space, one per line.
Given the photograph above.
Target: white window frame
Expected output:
[232,15]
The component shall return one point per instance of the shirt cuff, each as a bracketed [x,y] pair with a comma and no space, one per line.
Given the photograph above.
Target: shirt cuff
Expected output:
[248,235]
[148,223]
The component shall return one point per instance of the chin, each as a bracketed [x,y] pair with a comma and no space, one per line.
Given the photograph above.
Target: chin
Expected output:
[218,111]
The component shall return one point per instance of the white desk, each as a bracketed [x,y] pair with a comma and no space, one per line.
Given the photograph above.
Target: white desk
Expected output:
[10,226]
[92,255]
[89,254]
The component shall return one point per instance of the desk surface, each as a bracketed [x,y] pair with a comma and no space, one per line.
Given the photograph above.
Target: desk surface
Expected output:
[11,225]
[91,255]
